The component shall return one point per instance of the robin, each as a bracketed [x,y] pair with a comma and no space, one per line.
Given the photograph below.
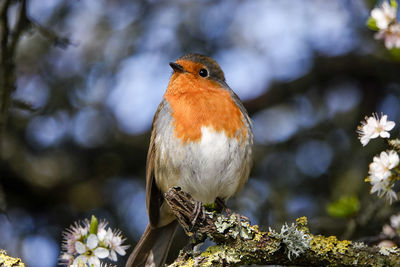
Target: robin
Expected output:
[201,141]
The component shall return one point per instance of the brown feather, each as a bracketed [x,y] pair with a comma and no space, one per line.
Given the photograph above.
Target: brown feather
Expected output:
[154,197]
[152,248]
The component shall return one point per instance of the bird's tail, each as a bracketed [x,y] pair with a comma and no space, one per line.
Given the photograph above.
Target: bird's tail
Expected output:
[153,247]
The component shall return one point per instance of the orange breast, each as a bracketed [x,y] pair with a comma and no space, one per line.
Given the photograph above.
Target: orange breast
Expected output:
[198,102]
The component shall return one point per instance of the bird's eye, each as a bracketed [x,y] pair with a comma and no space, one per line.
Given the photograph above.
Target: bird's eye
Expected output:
[203,73]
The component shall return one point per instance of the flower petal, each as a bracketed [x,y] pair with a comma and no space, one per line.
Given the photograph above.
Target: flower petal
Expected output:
[113,255]
[101,234]
[364,140]
[80,247]
[374,135]
[391,195]
[389,125]
[94,261]
[109,236]
[92,241]
[384,157]
[120,250]
[385,134]
[377,14]
[101,252]
[393,159]
[80,259]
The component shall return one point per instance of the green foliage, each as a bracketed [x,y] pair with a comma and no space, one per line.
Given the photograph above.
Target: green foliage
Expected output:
[371,23]
[395,54]
[394,4]
[345,207]
[94,223]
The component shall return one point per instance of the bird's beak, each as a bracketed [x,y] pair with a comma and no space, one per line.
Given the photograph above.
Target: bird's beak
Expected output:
[176,67]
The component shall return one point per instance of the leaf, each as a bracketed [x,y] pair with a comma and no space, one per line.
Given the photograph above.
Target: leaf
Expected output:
[345,207]
[394,4]
[371,24]
[94,223]
[395,54]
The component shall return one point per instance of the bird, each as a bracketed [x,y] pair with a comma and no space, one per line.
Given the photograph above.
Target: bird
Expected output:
[201,141]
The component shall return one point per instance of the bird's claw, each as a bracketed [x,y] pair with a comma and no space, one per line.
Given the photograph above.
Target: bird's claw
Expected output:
[198,209]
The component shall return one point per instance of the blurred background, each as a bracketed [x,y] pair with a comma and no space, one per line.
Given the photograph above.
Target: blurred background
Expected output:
[307,71]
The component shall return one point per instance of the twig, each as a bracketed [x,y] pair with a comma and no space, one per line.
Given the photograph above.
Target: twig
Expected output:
[59,41]
[9,42]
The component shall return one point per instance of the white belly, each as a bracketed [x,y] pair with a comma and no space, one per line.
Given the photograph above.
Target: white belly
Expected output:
[207,169]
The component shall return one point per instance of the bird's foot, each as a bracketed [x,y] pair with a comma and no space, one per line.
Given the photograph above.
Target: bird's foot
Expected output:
[197,211]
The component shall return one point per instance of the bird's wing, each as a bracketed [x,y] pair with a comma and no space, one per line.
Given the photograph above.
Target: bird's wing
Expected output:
[154,196]
[248,159]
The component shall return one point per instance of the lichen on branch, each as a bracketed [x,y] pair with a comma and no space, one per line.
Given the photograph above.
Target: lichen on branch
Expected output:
[7,261]
[240,243]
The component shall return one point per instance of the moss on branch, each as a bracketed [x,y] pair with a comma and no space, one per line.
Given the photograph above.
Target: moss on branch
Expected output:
[240,243]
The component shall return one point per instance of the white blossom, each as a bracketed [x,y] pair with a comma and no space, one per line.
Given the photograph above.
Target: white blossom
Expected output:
[374,127]
[383,188]
[384,15]
[380,173]
[71,235]
[388,230]
[391,36]
[90,252]
[378,185]
[115,241]
[395,221]
[66,258]
[380,168]
[81,248]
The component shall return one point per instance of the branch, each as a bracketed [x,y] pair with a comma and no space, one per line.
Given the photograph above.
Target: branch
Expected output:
[23,23]
[9,39]
[326,70]
[4,25]
[244,244]
[9,42]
